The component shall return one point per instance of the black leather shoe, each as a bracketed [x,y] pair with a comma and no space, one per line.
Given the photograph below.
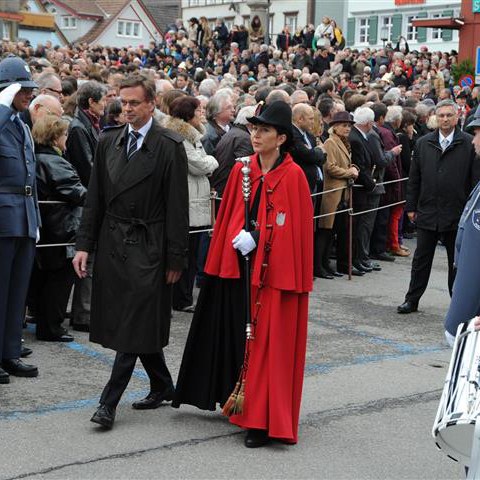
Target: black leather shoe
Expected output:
[333,272]
[17,368]
[81,327]
[355,272]
[4,376]
[104,416]
[61,338]
[384,257]
[373,265]
[407,307]
[153,400]
[256,438]
[363,268]
[26,352]
[324,274]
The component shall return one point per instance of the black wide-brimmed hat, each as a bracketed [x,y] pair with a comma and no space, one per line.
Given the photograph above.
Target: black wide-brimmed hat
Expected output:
[341,117]
[278,114]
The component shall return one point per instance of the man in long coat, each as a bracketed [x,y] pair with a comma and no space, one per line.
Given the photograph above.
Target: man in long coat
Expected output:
[136,217]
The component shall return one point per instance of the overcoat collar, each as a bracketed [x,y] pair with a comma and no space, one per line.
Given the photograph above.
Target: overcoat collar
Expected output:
[335,138]
[83,118]
[126,174]
[434,139]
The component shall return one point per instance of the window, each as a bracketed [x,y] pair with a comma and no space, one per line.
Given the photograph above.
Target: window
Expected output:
[6,30]
[229,22]
[412,33]
[291,21]
[69,22]
[436,32]
[129,29]
[193,3]
[363,30]
[246,20]
[270,25]
[386,29]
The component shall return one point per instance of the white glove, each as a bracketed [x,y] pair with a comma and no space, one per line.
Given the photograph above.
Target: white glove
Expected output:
[244,242]
[8,94]
[37,236]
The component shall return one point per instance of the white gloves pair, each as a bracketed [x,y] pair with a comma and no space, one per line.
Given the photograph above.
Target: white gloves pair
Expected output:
[244,242]
[8,94]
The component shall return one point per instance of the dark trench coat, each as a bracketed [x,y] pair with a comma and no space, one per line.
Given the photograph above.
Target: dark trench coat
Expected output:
[136,218]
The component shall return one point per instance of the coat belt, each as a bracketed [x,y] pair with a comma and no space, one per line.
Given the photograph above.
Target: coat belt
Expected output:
[135,223]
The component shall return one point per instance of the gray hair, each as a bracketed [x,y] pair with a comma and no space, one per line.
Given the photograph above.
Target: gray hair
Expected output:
[91,89]
[446,103]
[243,114]
[393,94]
[394,114]
[215,105]
[423,110]
[39,100]
[363,115]
[207,87]
[46,80]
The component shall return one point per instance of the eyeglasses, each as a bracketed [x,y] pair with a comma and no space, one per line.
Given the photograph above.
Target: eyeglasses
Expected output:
[58,92]
[132,103]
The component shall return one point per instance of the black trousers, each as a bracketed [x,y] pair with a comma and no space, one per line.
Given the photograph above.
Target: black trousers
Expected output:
[155,366]
[423,258]
[363,226]
[378,240]
[53,289]
[182,291]
[340,229]
[16,261]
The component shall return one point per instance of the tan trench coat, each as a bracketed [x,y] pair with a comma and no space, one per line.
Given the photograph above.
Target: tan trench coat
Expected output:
[336,175]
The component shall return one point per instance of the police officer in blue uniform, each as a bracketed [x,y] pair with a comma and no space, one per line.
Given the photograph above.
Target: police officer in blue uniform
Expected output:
[465,302]
[19,213]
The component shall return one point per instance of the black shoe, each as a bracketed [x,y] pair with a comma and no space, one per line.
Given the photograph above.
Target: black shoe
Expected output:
[373,265]
[81,327]
[408,235]
[153,400]
[17,368]
[256,438]
[324,274]
[104,416]
[26,352]
[384,257]
[4,376]
[333,272]
[61,338]
[407,307]
[363,268]
[355,271]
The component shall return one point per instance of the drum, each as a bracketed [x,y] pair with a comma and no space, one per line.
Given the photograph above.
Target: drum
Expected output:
[460,403]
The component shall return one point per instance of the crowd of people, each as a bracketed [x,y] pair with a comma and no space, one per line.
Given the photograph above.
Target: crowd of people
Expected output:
[379,134]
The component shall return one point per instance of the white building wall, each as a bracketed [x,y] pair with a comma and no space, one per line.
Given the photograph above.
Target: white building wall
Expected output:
[385,11]
[131,14]
[81,28]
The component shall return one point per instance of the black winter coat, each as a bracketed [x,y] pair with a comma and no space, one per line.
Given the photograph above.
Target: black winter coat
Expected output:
[363,158]
[440,182]
[136,215]
[81,144]
[57,180]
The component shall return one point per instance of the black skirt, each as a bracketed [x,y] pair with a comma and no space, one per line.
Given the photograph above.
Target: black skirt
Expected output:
[215,346]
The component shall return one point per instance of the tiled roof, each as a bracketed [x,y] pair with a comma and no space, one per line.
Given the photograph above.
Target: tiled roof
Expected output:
[81,7]
[164,12]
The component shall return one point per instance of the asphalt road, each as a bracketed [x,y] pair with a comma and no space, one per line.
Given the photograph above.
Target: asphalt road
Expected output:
[372,386]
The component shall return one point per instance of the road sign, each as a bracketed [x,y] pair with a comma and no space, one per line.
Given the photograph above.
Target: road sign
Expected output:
[466,81]
[476,6]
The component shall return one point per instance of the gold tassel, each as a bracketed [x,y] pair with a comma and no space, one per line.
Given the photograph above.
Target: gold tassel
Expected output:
[230,405]
[238,409]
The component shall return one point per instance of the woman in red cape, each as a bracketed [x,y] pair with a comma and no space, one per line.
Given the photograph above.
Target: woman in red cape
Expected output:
[279,240]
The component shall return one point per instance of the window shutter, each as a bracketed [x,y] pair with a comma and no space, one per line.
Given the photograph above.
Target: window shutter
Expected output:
[396,27]
[422,32]
[351,31]
[373,30]
[447,35]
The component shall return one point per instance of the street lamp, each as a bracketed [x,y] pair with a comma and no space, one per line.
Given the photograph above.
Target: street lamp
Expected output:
[384,34]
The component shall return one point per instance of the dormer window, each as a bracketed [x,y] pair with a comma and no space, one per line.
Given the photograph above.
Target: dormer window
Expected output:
[69,22]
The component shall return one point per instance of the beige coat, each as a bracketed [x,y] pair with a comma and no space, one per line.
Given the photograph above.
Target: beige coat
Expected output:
[336,175]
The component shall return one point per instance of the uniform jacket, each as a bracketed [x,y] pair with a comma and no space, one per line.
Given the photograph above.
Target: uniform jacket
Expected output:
[57,180]
[81,143]
[309,159]
[200,166]
[286,207]
[19,214]
[234,144]
[136,215]
[465,302]
[440,182]
[336,175]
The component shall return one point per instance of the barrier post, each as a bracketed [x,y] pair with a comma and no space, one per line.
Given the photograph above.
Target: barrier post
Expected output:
[213,219]
[350,231]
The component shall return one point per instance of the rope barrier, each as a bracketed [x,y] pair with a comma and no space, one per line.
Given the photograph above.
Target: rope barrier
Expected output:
[378,208]
[329,191]
[349,210]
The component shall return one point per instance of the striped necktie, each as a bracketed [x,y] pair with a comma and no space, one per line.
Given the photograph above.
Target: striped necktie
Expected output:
[134,136]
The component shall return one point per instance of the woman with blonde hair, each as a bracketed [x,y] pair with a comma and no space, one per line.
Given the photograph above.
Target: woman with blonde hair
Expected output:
[338,171]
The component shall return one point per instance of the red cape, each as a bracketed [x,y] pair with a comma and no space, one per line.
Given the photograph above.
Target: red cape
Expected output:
[285,204]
